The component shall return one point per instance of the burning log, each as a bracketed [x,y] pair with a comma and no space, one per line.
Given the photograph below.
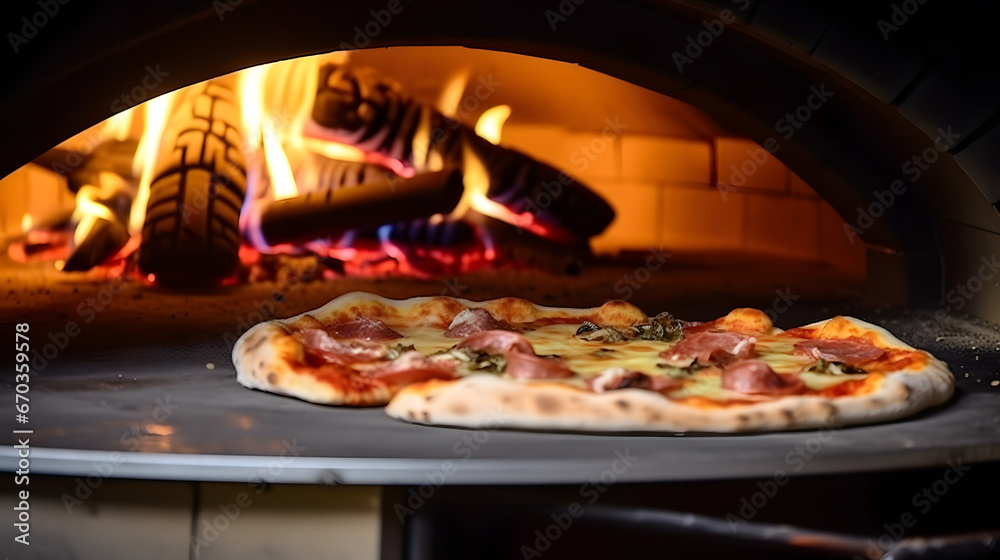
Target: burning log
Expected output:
[103,240]
[191,231]
[316,172]
[103,228]
[334,212]
[359,107]
[80,169]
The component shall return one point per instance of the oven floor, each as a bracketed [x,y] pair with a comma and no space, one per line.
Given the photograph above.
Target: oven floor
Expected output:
[175,411]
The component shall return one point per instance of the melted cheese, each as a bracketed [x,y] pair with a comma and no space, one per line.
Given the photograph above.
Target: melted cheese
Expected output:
[590,358]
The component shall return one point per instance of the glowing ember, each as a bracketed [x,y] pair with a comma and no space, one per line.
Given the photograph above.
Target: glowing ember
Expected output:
[26,222]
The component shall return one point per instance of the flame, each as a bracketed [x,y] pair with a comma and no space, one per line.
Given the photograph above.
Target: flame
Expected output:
[334,150]
[451,94]
[490,123]
[144,163]
[26,222]
[267,129]
[119,126]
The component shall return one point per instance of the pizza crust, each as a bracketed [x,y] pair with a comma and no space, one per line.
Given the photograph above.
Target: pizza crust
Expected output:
[478,401]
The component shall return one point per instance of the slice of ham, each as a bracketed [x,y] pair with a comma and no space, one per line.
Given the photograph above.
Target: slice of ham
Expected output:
[710,348]
[498,342]
[755,377]
[320,344]
[413,367]
[364,328]
[472,321]
[522,362]
[850,352]
[616,378]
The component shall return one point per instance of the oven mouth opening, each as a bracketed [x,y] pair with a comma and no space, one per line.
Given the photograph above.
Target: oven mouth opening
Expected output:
[465,176]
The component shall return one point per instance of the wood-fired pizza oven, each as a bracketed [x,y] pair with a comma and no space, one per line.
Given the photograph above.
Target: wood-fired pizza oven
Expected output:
[808,159]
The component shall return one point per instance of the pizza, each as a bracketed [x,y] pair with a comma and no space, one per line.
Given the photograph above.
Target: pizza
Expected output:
[455,362]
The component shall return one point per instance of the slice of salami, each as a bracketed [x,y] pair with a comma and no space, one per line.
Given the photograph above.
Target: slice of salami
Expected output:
[616,378]
[413,367]
[530,366]
[472,321]
[364,328]
[850,352]
[318,343]
[498,342]
[755,377]
[522,362]
[710,348]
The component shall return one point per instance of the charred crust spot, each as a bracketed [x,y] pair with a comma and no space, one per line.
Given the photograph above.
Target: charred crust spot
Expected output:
[743,418]
[547,404]
[261,364]
[655,417]
[622,404]
[254,342]
[789,414]
[272,378]
[411,415]
[904,392]
[429,398]
[427,417]
[507,398]
[459,409]
[831,409]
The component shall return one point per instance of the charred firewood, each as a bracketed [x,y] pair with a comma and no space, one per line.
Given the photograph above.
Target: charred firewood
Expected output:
[81,168]
[103,241]
[107,232]
[331,213]
[359,107]
[315,172]
[191,231]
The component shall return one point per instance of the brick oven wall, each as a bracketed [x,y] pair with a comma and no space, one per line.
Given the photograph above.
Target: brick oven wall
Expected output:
[683,194]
